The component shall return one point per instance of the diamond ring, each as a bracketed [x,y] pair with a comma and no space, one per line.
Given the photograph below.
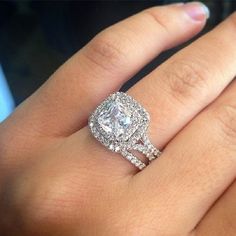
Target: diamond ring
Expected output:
[120,123]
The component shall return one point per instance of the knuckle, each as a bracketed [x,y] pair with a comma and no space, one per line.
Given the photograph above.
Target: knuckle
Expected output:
[107,50]
[156,16]
[226,116]
[186,79]
[50,202]
[55,201]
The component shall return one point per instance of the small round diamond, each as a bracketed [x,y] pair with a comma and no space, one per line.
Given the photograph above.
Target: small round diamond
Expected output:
[117,149]
[111,146]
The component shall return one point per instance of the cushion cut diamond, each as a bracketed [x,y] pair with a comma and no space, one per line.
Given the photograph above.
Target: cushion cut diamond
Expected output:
[115,118]
[119,122]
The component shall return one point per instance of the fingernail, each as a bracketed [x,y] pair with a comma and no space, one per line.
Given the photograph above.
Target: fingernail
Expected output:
[197,11]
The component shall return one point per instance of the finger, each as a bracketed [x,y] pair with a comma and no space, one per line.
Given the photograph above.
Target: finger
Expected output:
[195,168]
[221,219]
[62,105]
[187,82]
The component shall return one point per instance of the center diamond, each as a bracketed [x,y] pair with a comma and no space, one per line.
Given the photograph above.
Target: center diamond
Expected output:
[115,119]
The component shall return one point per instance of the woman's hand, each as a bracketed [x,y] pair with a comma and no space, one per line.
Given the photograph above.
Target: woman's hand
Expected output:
[56,179]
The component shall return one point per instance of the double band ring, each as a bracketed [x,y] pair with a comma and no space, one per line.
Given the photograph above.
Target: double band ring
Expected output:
[120,123]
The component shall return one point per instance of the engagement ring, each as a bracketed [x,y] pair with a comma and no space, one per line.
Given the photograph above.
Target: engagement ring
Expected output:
[120,123]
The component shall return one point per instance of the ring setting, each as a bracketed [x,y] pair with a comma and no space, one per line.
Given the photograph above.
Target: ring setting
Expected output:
[120,123]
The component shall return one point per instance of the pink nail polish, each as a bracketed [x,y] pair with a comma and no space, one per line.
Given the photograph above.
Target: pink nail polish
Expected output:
[197,11]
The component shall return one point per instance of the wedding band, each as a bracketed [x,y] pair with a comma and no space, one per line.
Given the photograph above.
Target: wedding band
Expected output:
[120,123]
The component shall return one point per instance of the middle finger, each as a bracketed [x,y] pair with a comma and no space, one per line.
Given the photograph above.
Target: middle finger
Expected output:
[176,91]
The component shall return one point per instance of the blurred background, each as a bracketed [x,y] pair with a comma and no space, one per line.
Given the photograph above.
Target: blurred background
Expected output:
[36,37]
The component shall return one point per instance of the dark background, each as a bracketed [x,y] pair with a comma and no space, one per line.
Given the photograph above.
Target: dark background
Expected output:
[38,36]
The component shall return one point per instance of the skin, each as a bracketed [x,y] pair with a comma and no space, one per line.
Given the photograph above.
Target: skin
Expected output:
[56,179]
